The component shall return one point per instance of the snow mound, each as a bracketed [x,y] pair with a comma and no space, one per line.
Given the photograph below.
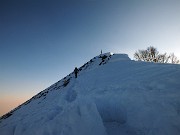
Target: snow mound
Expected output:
[112,95]
[120,57]
[79,118]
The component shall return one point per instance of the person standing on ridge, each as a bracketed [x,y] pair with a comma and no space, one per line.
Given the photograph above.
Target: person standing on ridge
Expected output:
[76,72]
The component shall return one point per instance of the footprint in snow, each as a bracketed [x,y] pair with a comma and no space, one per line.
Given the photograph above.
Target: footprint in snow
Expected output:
[71,95]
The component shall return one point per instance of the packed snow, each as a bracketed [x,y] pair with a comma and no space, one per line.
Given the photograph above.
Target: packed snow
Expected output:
[112,95]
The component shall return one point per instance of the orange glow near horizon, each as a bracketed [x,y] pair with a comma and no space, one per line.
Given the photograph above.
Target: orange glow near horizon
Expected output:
[8,103]
[14,93]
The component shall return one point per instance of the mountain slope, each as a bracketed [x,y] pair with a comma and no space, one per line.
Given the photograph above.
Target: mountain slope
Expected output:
[112,95]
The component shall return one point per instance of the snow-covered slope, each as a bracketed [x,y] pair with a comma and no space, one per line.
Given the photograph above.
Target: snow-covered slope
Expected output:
[112,95]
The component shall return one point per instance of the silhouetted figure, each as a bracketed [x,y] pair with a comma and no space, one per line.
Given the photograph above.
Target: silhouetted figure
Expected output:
[101,51]
[76,72]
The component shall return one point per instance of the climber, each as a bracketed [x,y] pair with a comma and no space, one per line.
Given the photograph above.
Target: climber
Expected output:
[76,72]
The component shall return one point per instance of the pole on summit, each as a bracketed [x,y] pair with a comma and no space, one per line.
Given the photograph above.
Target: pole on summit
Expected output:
[101,51]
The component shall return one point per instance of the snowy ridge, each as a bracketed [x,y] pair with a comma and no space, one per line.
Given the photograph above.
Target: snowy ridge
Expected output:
[98,60]
[112,95]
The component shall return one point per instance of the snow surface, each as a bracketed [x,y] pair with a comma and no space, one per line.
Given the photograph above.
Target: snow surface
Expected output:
[112,95]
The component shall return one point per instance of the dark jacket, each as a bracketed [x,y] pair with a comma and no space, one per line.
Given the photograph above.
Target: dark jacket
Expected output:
[76,70]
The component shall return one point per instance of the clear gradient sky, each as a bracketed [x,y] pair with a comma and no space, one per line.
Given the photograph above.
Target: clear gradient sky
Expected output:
[41,41]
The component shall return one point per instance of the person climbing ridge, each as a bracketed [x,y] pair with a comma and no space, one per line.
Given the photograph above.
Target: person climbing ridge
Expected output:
[76,72]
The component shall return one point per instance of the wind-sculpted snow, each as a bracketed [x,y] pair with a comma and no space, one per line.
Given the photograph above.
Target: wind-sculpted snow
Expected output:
[112,95]
[111,110]
[78,118]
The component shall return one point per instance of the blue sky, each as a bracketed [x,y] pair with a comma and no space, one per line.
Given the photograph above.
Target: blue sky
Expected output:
[41,41]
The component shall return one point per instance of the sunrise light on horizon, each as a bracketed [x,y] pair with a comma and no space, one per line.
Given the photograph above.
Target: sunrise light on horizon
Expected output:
[41,41]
